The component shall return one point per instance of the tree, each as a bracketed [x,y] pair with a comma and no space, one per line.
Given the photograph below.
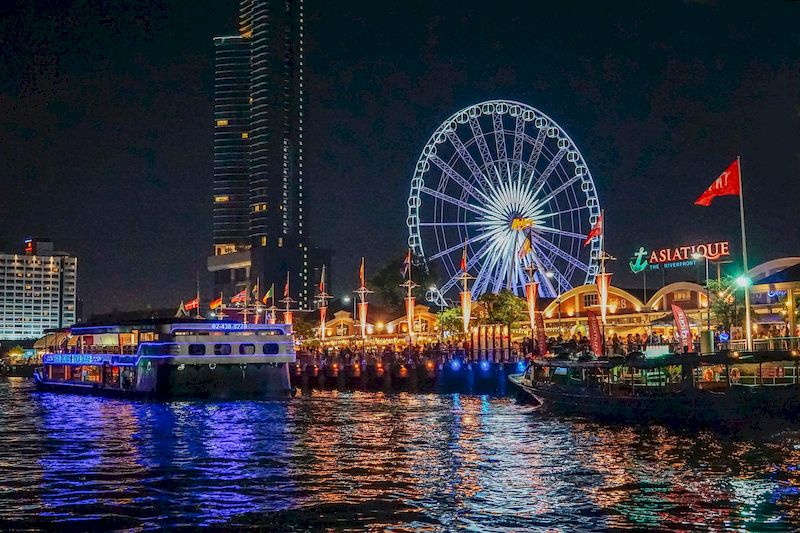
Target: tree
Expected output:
[387,280]
[725,302]
[503,307]
[450,321]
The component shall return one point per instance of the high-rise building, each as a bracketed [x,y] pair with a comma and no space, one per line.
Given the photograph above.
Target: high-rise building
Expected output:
[259,231]
[37,290]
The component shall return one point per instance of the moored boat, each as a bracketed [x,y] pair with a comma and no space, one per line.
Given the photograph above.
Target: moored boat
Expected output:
[170,359]
[671,388]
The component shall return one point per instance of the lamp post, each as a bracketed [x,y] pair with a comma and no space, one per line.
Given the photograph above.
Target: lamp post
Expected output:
[550,275]
[697,256]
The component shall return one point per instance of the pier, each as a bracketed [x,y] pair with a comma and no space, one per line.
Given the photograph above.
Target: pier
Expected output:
[455,375]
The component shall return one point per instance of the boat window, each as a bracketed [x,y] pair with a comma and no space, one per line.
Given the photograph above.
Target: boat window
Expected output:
[270,348]
[247,349]
[222,349]
[197,349]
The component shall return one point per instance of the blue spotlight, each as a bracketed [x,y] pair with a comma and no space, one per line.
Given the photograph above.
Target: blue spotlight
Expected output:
[484,365]
[521,366]
[455,364]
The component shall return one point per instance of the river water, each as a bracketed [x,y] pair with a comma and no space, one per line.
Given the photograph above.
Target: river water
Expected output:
[371,461]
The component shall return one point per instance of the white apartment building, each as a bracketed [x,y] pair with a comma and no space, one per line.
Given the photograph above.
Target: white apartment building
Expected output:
[37,290]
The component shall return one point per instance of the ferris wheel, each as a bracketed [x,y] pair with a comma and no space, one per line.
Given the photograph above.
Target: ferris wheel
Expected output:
[493,176]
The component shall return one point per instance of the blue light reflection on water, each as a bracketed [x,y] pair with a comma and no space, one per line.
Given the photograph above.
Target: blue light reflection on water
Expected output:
[373,461]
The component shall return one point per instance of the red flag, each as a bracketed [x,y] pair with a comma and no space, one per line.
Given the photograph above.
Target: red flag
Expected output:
[595,337]
[596,231]
[286,288]
[215,303]
[192,304]
[682,325]
[406,264]
[322,280]
[239,296]
[728,183]
[361,273]
[464,260]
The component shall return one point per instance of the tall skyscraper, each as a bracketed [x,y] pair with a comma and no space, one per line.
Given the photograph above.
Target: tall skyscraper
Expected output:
[259,231]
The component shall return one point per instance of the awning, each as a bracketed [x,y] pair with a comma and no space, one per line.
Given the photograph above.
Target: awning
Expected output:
[51,339]
[668,321]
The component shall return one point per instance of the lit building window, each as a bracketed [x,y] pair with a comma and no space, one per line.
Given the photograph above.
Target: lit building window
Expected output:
[258,208]
[222,199]
[222,122]
[280,242]
[263,240]
[245,135]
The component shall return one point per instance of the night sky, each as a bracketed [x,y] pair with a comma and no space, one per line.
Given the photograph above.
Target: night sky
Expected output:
[106,122]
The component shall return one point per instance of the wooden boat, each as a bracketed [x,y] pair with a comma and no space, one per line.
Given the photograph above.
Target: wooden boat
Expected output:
[672,388]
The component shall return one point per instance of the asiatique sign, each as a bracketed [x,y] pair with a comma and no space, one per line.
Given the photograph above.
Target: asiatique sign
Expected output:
[677,256]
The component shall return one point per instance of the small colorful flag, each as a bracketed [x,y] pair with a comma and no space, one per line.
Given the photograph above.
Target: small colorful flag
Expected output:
[286,287]
[322,280]
[192,304]
[464,260]
[526,247]
[361,273]
[239,296]
[728,183]
[216,303]
[597,230]
[270,294]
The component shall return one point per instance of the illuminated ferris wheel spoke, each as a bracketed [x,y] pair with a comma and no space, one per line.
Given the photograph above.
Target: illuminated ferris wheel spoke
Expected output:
[458,178]
[489,200]
[466,157]
[533,159]
[564,212]
[519,129]
[581,237]
[455,201]
[499,137]
[559,252]
[563,187]
[546,265]
[460,245]
[483,148]
[542,179]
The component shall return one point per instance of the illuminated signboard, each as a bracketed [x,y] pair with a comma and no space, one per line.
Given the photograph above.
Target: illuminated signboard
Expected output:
[72,359]
[676,257]
[228,326]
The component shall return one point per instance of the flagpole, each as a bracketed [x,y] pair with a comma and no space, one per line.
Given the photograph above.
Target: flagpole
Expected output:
[603,276]
[197,294]
[749,332]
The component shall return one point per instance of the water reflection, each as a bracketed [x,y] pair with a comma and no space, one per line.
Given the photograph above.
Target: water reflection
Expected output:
[418,462]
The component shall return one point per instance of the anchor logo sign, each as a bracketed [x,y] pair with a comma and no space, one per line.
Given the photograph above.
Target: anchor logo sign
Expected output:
[641,263]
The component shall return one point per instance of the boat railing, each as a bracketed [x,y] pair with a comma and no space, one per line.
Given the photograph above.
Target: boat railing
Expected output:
[771,344]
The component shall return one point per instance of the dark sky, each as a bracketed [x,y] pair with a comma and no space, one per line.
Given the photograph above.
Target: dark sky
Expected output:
[106,121]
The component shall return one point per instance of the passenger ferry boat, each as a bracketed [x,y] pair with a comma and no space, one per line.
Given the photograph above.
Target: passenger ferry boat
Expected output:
[728,386]
[169,359]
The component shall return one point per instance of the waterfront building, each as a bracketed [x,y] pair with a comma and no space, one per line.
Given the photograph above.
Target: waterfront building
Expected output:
[37,290]
[775,291]
[259,218]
